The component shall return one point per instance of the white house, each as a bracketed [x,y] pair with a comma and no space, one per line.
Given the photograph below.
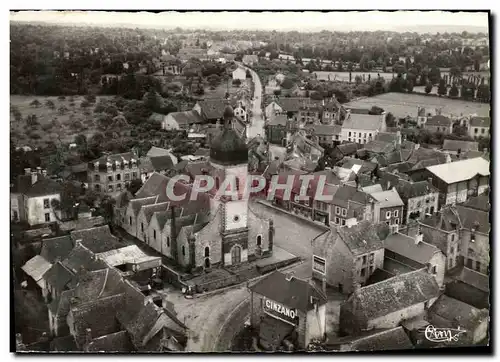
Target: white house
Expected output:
[240,74]
[273,109]
[38,202]
[362,128]
[181,120]
[479,127]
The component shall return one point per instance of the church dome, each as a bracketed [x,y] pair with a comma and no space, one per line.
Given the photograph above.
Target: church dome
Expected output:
[228,148]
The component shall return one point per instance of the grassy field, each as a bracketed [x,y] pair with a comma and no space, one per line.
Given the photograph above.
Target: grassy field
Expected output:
[344,76]
[53,123]
[220,91]
[402,104]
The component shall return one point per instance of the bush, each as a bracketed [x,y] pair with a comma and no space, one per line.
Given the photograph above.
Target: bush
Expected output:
[61,98]
[46,127]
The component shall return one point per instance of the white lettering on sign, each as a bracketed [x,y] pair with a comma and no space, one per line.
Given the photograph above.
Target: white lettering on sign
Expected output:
[280,309]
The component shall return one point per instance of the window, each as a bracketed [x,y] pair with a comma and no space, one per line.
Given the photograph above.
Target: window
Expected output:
[364,135]
[363,272]
[349,135]
[97,178]
[452,237]
[364,259]
[344,212]
[217,183]
[237,184]
[370,135]
[15,216]
[259,240]
[118,186]
[319,264]
[482,130]
[110,188]
[183,250]
[127,177]
[110,178]
[46,203]
[472,237]
[388,215]
[343,222]
[47,217]
[349,139]
[395,213]
[168,241]
[434,269]
[354,134]
[337,210]
[142,227]
[372,257]
[478,265]
[130,220]
[207,252]
[134,175]
[337,220]
[452,250]
[154,234]
[110,168]
[118,177]
[475,130]
[396,221]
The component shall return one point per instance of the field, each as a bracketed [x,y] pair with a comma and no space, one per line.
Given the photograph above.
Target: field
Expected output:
[52,122]
[402,104]
[221,89]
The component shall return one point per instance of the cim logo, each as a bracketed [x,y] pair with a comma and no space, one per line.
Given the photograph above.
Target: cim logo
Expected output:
[281,312]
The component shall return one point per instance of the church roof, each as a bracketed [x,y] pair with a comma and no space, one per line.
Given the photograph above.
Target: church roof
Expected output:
[228,148]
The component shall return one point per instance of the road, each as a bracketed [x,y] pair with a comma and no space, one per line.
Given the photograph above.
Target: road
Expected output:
[256,126]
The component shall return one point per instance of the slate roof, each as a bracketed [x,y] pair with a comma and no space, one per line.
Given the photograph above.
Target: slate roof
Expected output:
[366,166]
[389,198]
[463,146]
[395,294]
[348,193]
[97,239]
[81,258]
[457,312]
[214,108]
[362,122]
[480,122]
[63,344]
[348,149]
[186,118]
[474,219]
[157,151]
[326,130]
[425,154]
[438,120]
[475,279]
[360,239]
[280,120]
[387,137]
[139,202]
[447,219]
[96,284]
[293,104]
[36,267]
[56,248]
[116,157]
[376,146]
[61,305]
[408,190]
[149,210]
[382,340]
[295,293]
[461,170]
[58,276]
[44,186]
[481,202]
[406,246]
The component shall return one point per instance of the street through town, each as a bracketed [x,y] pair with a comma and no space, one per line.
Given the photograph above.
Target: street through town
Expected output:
[256,126]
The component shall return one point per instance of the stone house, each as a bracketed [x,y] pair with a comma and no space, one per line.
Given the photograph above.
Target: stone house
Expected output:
[420,199]
[328,135]
[276,129]
[439,123]
[362,128]
[112,173]
[181,120]
[404,254]
[390,206]
[387,303]
[347,255]
[479,127]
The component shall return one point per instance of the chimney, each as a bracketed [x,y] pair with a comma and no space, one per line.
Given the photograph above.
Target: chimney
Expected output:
[398,137]
[27,171]
[417,146]
[39,170]
[88,336]
[428,267]
[44,173]
[448,158]
[419,238]
[429,180]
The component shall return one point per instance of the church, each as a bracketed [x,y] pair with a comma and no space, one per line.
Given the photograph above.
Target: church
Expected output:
[206,232]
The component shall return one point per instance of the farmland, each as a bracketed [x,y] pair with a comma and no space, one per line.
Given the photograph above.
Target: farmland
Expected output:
[55,118]
[344,76]
[402,104]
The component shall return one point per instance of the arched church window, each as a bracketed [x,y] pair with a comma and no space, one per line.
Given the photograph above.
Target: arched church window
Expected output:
[207,252]
[259,240]
[237,182]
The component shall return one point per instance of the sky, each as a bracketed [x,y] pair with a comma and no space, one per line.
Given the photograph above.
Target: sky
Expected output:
[300,21]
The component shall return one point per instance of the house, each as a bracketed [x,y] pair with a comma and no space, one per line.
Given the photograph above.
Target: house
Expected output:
[240,74]
[362,128]
[288,105]
[250,60]
[460,180]
[212,110]
[181,120]
[439,123]
[471,287]
[479,127]
[420,199]
[346,255]
[300,146]
[33,201]
[404,254]
[113,172]
[390,206]
[457,147]
[276,129]
[394,339]
[389,302]
[332,111]
[448,312]
[309,113]
[350,202]
[287,309]
[157,117]
[327,135]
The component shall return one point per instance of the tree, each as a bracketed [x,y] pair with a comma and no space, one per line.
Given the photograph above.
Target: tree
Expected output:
[36,103]
[62,110]
[248,74]
[428,87]
[358,79]
[134,186]
[85,104]
[376,111]
[214,80]
[32,120]
[274,55]
[236,82]
[409,86]
[91,98]
[153,100]
[316,96]
[455,73]
[442,88]
[454,90]
[390,120]
[434,75]
[50,104]
[277,92]
[483,93]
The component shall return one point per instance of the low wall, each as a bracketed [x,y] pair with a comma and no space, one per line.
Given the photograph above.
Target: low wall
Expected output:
[171,277]
[271,267]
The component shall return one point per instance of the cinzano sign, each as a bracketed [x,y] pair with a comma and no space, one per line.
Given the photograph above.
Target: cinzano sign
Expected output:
[281,312]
